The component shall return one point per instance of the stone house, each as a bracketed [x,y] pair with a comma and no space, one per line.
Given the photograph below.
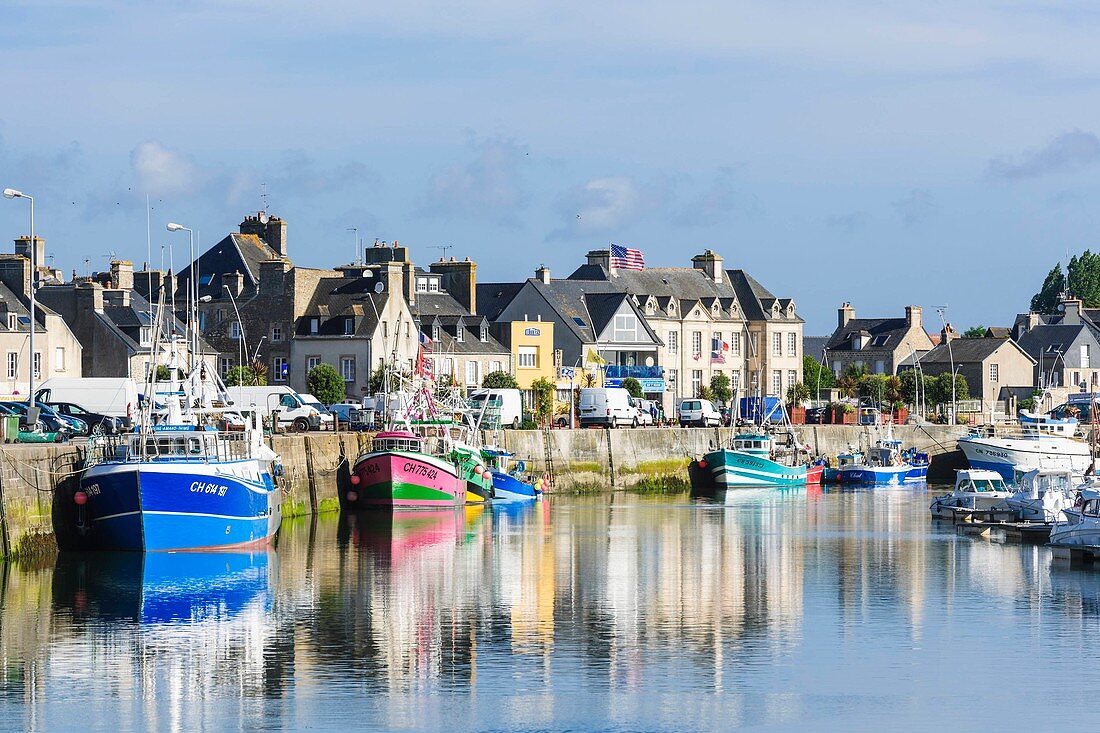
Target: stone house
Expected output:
[57,352]
[113,319]
[995,369]
[880,345]
[1065,347]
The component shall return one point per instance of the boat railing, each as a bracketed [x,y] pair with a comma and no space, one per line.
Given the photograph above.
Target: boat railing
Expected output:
[198,446]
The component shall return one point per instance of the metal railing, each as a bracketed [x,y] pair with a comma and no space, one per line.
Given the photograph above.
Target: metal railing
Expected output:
[192,447]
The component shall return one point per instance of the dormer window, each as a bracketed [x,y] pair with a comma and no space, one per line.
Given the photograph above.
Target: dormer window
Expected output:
[349,326]
[433,285]
[13,322]
[484,332]
[458,332]
[146,335]
[314,326]
[435,332]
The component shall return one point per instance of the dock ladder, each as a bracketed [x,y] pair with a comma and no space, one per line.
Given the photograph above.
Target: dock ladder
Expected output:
[548,453]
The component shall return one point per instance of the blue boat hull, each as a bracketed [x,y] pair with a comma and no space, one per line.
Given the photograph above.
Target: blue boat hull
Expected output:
[874,475]
[176,506]
[506,487]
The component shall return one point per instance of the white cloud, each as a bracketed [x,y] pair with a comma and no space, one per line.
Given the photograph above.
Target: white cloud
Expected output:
[603,205]
[161,171]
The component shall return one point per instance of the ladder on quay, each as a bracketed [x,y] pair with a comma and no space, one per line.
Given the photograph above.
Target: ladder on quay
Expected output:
[548,454]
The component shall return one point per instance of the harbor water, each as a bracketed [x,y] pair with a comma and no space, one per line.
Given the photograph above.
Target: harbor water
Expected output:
[796,609]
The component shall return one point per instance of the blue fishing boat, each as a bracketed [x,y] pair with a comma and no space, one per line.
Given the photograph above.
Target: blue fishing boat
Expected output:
[884,464]
[178,482]
[510,483]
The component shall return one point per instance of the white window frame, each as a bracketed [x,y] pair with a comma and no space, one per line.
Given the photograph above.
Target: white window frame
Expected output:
[696,343]
[225,363]
[673,342]
[777,344]
[312,362]
[276,334]
[994,372]
[59,358]
[145,335]
[347,368]
[528,357]
[777,383]
[472,373]
[13,365]
[792,343]
[277,365]
[235,330]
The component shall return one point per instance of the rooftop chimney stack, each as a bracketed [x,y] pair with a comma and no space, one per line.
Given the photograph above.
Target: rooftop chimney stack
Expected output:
[459,279]
[914,316]
[122,274]
[542,274]
[844,314]
[709,262]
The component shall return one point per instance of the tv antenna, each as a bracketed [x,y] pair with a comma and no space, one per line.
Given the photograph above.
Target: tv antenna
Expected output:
[443,250]
[265,197]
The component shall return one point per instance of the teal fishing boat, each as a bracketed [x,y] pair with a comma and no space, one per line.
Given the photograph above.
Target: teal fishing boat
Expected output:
[754,459]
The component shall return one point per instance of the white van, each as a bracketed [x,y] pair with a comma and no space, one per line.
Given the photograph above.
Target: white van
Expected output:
[293,410]
[508,401]
[114,396]
[327,422]
[701,413]
[610,406]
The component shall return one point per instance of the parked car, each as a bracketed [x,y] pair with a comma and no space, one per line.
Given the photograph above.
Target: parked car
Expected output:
[816,415]
[645,411]
[96,422]
[327,420]
[700,413]
[50,423]
[293,412]
[117,397]
[609,406]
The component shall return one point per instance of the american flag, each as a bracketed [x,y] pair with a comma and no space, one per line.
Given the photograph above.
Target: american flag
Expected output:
[625,258]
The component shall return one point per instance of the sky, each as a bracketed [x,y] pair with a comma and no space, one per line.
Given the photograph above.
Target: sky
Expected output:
[882,153]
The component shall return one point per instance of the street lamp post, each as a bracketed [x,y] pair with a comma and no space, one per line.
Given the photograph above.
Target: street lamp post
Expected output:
[32,411]
[242,343]
[192,292]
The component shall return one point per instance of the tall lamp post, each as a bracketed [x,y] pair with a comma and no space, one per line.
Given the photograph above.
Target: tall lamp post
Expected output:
[242,342]
[32,411]
[192,293]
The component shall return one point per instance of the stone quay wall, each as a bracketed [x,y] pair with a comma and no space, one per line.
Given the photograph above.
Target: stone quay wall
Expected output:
[37,481]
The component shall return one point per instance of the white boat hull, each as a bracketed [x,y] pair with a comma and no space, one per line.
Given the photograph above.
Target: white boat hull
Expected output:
[1008,455]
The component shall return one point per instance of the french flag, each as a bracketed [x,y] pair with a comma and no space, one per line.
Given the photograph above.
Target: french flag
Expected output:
[625,258]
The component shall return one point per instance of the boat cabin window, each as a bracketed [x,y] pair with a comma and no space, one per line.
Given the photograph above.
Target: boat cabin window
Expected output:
[982,485]
[171,446]
[1091,508]
[404,445]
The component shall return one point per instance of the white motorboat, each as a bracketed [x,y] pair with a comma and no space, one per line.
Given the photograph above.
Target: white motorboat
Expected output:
[1042,495]
[1025,452]
[975,489]
[1080,525]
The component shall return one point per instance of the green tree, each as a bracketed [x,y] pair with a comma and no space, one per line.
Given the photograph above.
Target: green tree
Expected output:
[910,382]
[633,387]
[499,380]
[163,373]
[974,332]
[872,387]
[326,384]
[720,387]
[815,376]
[1081,280]
[939,388]
[241,376]
[544,390]
[849,379]
[703,392]
[797,394]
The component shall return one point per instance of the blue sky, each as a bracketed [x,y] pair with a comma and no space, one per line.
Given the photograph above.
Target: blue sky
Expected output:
[882,153]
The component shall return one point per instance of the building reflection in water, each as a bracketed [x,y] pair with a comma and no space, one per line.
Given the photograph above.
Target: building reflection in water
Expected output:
[628,594]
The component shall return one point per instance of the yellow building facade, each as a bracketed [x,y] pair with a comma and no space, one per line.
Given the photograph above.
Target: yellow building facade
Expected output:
[532,346]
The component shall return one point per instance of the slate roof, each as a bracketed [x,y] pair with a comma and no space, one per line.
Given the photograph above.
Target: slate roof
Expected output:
[756,300]
[16,305]
[885,333]
[241,253]
[335,299]
[589,301]
[814,346]
[1048,339]
[471,343]
[967,351]
[493,298]
[438,304]
[998,332]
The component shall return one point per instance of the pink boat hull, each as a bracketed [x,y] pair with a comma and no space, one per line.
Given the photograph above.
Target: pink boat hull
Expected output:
[406,480]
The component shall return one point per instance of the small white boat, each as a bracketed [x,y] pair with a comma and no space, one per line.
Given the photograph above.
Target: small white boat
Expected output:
[1080,525]
[1029,450]
[1043,494]
[1031,422]
[975,490]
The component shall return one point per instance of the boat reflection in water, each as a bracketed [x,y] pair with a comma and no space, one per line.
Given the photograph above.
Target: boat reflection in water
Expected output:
[393,537]
[163,588]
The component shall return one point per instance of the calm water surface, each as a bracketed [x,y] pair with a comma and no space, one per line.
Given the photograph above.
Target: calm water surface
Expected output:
[773,610]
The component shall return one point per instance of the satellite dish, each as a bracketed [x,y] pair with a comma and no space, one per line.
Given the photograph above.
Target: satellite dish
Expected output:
[264,218]
[1061,307]
[379,287]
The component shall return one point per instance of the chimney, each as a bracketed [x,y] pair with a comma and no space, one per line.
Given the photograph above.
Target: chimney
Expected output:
[273,277]
[234,281]
[600,257]
[844,314]
[23,248]
[89,297]
[147,283]
[408,274]
[275,235]
[709,262]
[122,274]
[914,316]
[543,274]
[391,274]
[1071,312]
[15,272]
[459,279]
[1032,322]
[948,334]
